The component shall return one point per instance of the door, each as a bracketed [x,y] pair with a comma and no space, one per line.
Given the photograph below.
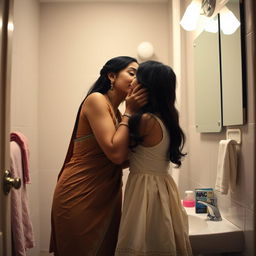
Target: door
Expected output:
[6,29]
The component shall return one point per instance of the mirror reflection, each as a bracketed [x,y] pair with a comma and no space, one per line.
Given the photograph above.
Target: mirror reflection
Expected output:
[207,83]
[232,71]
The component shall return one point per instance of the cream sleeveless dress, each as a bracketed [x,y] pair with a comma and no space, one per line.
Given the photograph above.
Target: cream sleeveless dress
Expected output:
[153,221]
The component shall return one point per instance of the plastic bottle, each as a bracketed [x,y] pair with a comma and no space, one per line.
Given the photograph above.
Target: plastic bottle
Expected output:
[189,199]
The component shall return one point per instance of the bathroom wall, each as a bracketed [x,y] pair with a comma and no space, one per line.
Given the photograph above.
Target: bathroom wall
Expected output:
[75,41]
[178,63]
[202,156]
[24,95]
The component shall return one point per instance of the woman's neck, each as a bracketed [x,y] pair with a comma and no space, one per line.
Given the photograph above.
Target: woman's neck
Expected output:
[114,99]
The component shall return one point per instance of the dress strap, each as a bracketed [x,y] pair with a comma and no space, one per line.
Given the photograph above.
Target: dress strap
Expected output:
[83,137]
[71,143]
[162,125]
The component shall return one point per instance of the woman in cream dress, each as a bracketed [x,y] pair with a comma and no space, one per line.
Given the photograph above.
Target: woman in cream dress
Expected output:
[153,220]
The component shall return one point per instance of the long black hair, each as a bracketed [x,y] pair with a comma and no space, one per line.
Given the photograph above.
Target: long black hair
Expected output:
[113,65]
[160,82]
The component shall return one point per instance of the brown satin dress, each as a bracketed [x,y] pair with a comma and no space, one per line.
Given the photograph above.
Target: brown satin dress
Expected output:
[86,206]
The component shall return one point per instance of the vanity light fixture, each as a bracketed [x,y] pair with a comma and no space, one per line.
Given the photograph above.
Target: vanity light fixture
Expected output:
[208,9]
[191,16]
[210,24]
[228,21]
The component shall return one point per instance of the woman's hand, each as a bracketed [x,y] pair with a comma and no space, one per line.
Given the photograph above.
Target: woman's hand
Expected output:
[136,98]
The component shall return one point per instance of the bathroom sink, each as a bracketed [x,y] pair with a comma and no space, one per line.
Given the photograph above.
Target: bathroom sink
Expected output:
[208,236]
[197,225]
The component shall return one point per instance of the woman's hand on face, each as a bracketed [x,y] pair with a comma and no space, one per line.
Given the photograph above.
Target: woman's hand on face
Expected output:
[136,98]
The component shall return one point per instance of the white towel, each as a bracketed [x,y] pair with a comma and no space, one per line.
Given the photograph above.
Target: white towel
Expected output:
[227,166]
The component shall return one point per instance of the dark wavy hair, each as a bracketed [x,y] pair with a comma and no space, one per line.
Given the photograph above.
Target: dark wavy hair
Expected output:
[160,82]
[113,65]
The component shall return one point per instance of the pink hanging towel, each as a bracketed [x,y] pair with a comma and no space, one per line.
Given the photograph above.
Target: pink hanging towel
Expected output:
[22,141]
[21,225]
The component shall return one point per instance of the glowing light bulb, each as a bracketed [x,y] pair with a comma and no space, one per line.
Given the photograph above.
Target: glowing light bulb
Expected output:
[145,50]
[228,21]
[191,16]
[211,25]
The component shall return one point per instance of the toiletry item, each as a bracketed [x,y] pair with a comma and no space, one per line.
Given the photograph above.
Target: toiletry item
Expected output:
[189,199]
[203,194]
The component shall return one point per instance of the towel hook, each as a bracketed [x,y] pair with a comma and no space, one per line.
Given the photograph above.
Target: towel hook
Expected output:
[234,134]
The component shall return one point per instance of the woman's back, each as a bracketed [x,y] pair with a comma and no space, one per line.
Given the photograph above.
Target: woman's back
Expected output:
[152,158]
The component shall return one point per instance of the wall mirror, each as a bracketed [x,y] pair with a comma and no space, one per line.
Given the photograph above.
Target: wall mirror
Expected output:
[207,83]
[233,104]
[219,78]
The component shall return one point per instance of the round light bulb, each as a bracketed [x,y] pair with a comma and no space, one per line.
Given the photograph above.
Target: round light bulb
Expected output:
[145,50]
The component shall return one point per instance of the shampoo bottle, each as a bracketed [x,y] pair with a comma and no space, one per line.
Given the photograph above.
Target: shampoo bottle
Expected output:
[189,200]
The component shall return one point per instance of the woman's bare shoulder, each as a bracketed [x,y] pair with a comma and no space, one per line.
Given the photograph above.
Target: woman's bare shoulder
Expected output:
[147,118]
[147,122]
[95,97]
[95,101]
[150,129]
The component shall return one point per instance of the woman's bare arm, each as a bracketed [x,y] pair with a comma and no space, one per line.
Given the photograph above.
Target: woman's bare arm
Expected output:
[114,143]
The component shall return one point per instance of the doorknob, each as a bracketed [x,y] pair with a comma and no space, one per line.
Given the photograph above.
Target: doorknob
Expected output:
[10,182]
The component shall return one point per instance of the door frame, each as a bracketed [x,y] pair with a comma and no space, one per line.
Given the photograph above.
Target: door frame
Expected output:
[6,32]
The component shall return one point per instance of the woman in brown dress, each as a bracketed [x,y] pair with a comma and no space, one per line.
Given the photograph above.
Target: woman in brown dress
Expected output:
[86,206]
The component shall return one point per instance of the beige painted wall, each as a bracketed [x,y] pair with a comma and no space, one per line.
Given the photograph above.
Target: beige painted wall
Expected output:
[24,95]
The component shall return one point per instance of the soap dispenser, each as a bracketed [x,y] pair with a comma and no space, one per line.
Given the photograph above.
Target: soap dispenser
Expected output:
[189,199]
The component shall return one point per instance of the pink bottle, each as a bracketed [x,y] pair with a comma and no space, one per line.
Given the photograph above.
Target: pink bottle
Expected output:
[189,200]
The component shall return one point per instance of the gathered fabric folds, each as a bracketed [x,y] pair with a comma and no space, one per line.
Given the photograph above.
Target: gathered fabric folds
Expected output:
[153,223]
